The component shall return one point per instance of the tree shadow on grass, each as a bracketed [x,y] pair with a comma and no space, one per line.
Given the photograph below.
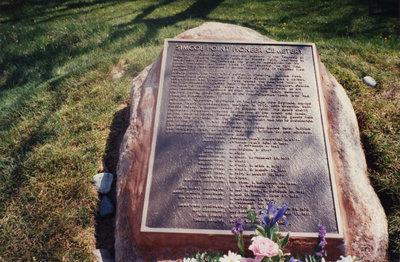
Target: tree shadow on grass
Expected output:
[33,9]
[38,135]
[39,64]
[199,9]
[328,20]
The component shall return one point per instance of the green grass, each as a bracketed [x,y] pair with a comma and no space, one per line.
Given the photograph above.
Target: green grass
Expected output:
[58,98]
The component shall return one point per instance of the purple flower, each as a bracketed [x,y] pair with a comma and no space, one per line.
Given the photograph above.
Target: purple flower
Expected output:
[239,220]
[322,243]
[319,251]
[273,215]
[238,228]
[292,259]
[322,231]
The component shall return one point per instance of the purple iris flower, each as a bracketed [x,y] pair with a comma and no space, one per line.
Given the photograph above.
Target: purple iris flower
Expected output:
[238,228]
[322,231]
[292,259]
[273,214]
[321,241]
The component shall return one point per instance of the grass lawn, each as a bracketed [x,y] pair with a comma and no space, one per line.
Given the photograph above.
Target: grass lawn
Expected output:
[60,98]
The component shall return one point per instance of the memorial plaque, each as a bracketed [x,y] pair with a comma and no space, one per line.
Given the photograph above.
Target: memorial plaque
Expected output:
[239,124]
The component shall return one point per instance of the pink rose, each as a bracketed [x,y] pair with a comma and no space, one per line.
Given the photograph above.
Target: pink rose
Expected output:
[263,247]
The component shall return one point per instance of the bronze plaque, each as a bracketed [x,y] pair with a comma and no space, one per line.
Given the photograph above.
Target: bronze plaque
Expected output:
[239,124]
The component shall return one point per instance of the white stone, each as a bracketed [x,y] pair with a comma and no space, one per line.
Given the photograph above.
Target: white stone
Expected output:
[369,81]
[103,182]
[102,255]
[106,207]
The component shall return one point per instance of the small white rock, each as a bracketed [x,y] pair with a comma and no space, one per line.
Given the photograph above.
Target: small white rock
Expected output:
[106,207]
[102,255]
[103,182]
[369,81]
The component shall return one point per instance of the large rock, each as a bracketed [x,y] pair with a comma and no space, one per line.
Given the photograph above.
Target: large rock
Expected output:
[363,218]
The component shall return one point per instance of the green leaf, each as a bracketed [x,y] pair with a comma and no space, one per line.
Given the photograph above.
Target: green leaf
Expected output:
[275,228]
[274,238]
[310,258]
[284,241]
[276,259]
[240,243]
[258,233]
[268,232]
[252,216]
[261,230]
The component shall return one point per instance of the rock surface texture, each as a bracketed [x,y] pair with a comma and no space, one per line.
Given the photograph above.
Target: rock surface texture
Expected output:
[363,218]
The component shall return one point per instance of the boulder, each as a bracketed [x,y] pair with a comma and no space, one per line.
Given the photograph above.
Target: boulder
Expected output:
[363,218]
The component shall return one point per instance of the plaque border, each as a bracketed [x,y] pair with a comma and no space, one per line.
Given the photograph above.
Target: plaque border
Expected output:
[323,113]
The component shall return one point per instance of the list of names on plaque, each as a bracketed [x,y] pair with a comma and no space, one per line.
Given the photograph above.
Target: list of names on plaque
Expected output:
[238,124]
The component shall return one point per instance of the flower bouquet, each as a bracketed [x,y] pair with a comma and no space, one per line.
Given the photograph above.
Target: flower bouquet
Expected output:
[267,243]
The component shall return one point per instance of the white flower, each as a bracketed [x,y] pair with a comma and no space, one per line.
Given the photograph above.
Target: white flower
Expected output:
[231,257]
[347,259]
[189,259]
